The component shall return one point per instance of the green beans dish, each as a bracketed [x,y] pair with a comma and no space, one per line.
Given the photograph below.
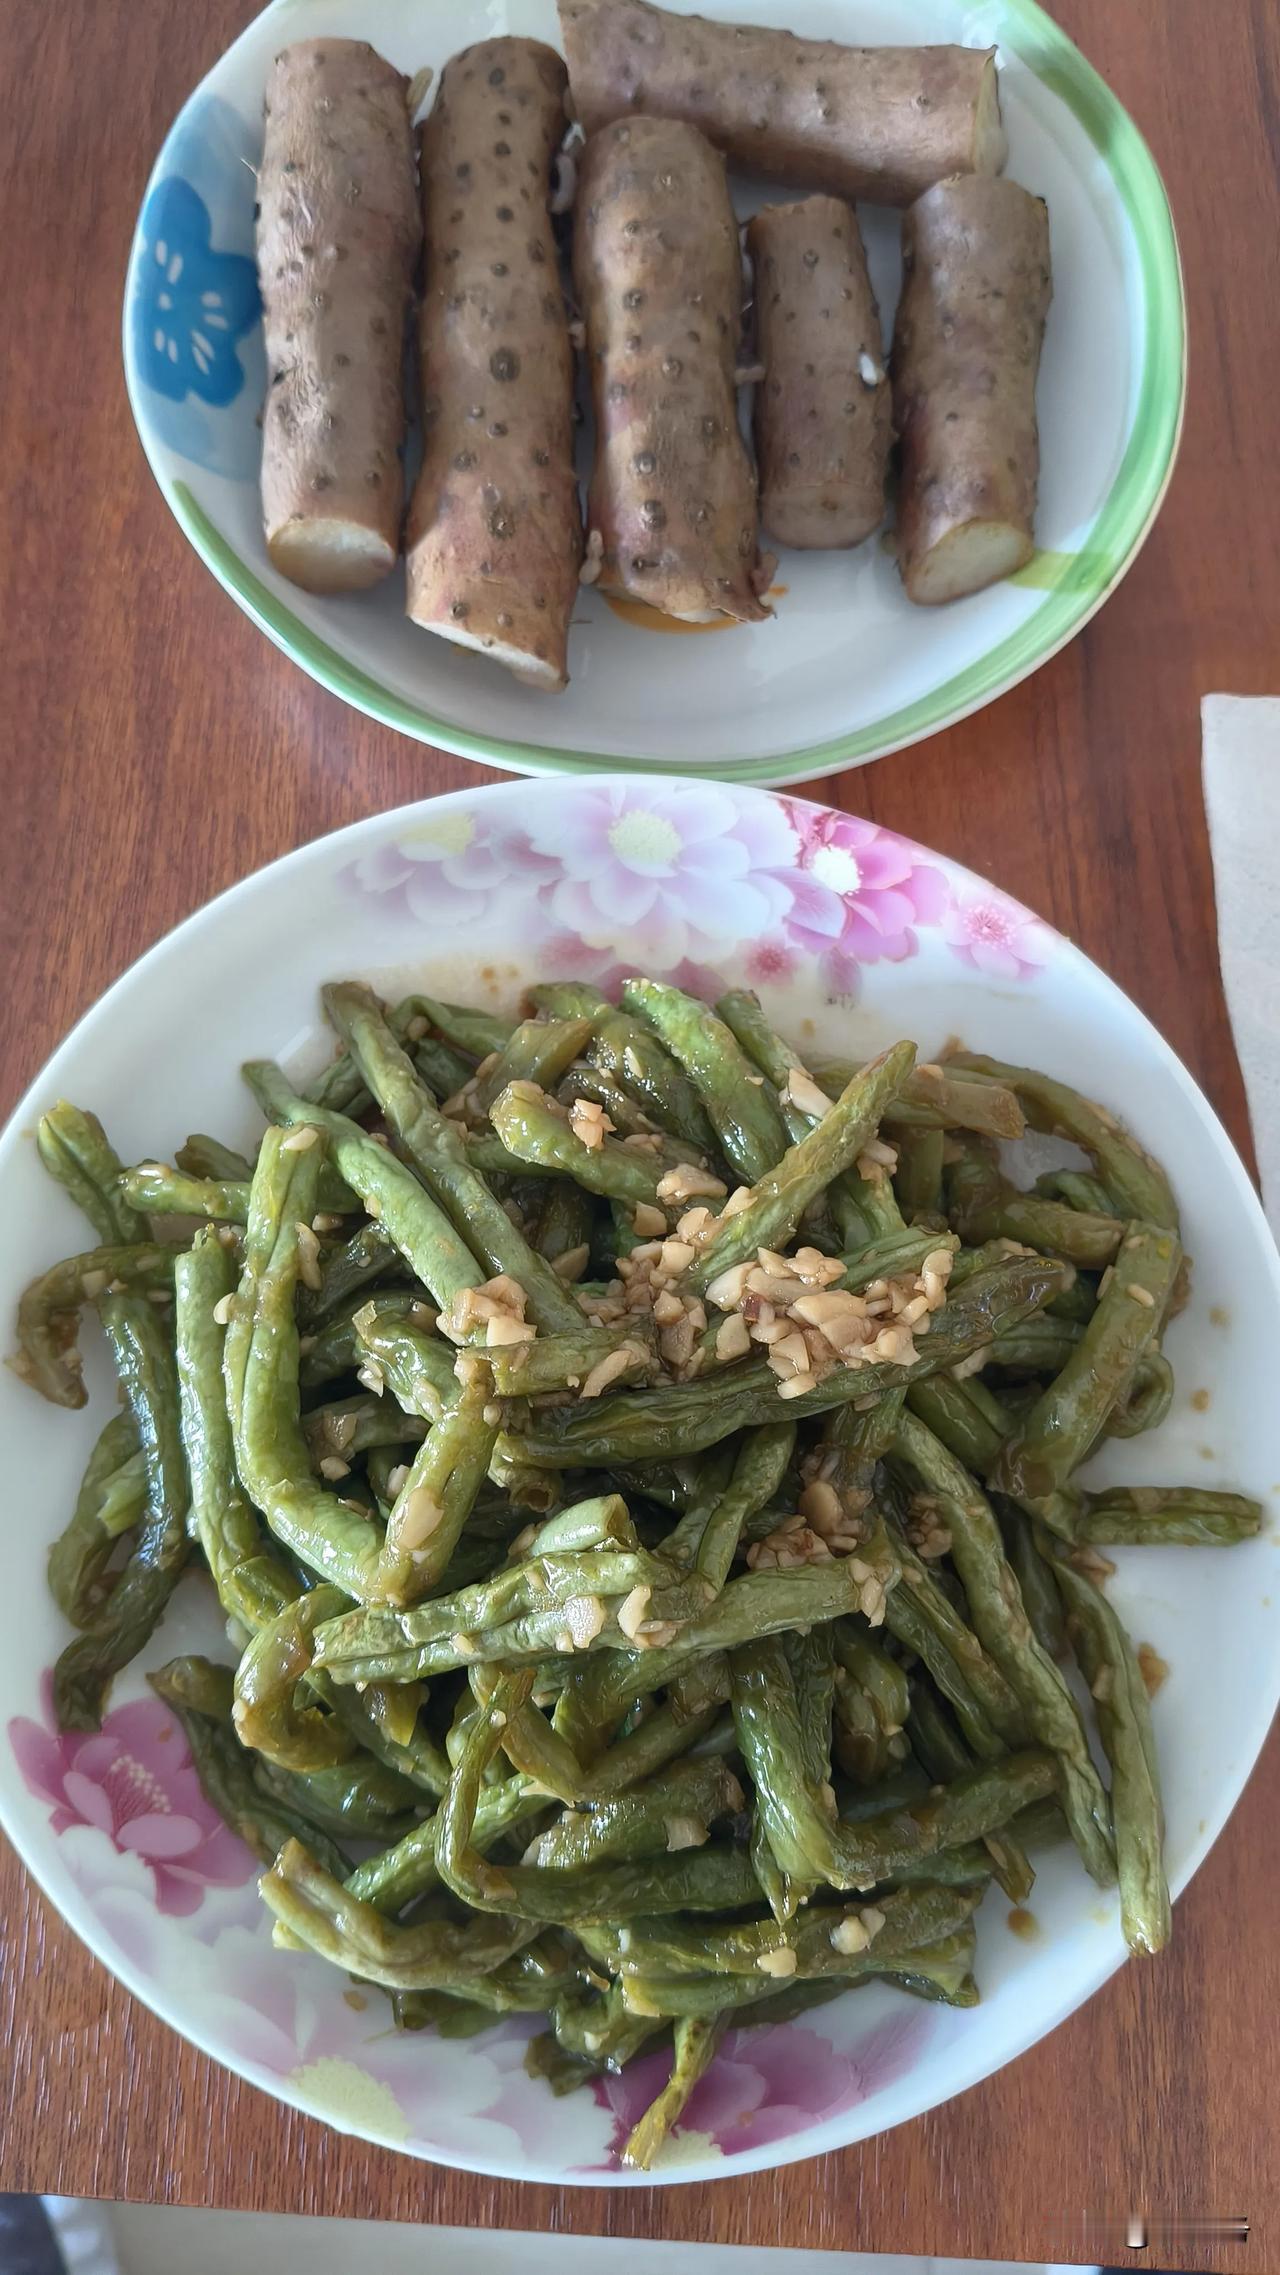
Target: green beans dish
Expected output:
[639,1473]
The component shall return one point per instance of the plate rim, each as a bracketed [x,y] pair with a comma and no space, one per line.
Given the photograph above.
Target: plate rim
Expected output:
[83,1922]
[1123,522]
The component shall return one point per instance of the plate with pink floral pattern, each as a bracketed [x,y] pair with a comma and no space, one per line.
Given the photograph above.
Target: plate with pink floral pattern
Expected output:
[853,936]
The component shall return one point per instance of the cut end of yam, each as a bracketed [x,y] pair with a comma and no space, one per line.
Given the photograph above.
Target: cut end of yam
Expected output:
[330,556]
[966,560]
[990,142]
[486,640]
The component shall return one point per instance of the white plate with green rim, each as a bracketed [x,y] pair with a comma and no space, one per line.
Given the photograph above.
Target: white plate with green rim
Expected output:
[848,669]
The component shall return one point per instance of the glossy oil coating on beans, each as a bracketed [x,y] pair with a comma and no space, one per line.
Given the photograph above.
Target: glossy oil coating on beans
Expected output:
[639,1472]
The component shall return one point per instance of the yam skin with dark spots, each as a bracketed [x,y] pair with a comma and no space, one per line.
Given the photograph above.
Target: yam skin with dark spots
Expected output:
[966,352]
[823,422]
[337,240]
[658,270]
[495,530]
[881,123]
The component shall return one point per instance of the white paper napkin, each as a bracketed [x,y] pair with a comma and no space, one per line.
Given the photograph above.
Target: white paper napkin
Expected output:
[153,2239]
[1241,738]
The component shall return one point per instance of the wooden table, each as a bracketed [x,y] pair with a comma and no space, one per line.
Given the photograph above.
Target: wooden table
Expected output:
[156,748]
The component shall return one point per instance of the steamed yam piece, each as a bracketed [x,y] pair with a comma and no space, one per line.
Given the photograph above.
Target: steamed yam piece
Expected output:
[338,243]
[822,414]
[672,505]
[966,351]
[495,533]
[865,122]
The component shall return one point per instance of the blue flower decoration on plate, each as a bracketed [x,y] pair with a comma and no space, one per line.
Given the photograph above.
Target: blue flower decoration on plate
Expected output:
[191,303]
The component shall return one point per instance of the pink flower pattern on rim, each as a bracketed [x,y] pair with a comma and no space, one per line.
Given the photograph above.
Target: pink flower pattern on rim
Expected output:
[996,935]
[133,1781]
[449,868]
[626,875]
[859,895]
[671,870]
[767,2084]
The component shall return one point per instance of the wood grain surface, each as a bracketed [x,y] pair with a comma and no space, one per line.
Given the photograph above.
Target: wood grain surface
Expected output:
[155,748]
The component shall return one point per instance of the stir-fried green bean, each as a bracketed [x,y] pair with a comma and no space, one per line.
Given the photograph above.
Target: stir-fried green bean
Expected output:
[438,1154]
[1166,1516]
[199,1695]
[537,1051]
[940,1971]
[711,1879]
[975,1425]
[475,1033]
[696,2040]
[395,1338]
[562,1231]
[408,1869]
[664,1734]
[144,1359]
[762,1712]
[706,1539]
[570,1361]
[79,1156]
[351,1426]
[657,1955]
[923,1619]
[928,1098]
[895,1253]
[267,1715]
[360,1799]
[254,1583]
[531,1745]
[881,1678]
[390,1192]
[261,1373]
[1066,1423]
[654,1424]
[1137,1184]
[1109,1665]
[1035,1579]
[780,1196]
[443,1067]
[1004,1630]
[917,1180]
[1077,1187]
[49,1311]
[539,1132]
[586,1080]
[156,1190]
[438,1494]
[369,1255]
[746,1120]
[940,1749]
[809,1842]
[628,1049]
[937,1097]
[201,1156]
[1145,1400]
[435,1955]
[112,1497]
[985,1206]
[376,1647]
[743,1016]
[674,1809]
[225,1524]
